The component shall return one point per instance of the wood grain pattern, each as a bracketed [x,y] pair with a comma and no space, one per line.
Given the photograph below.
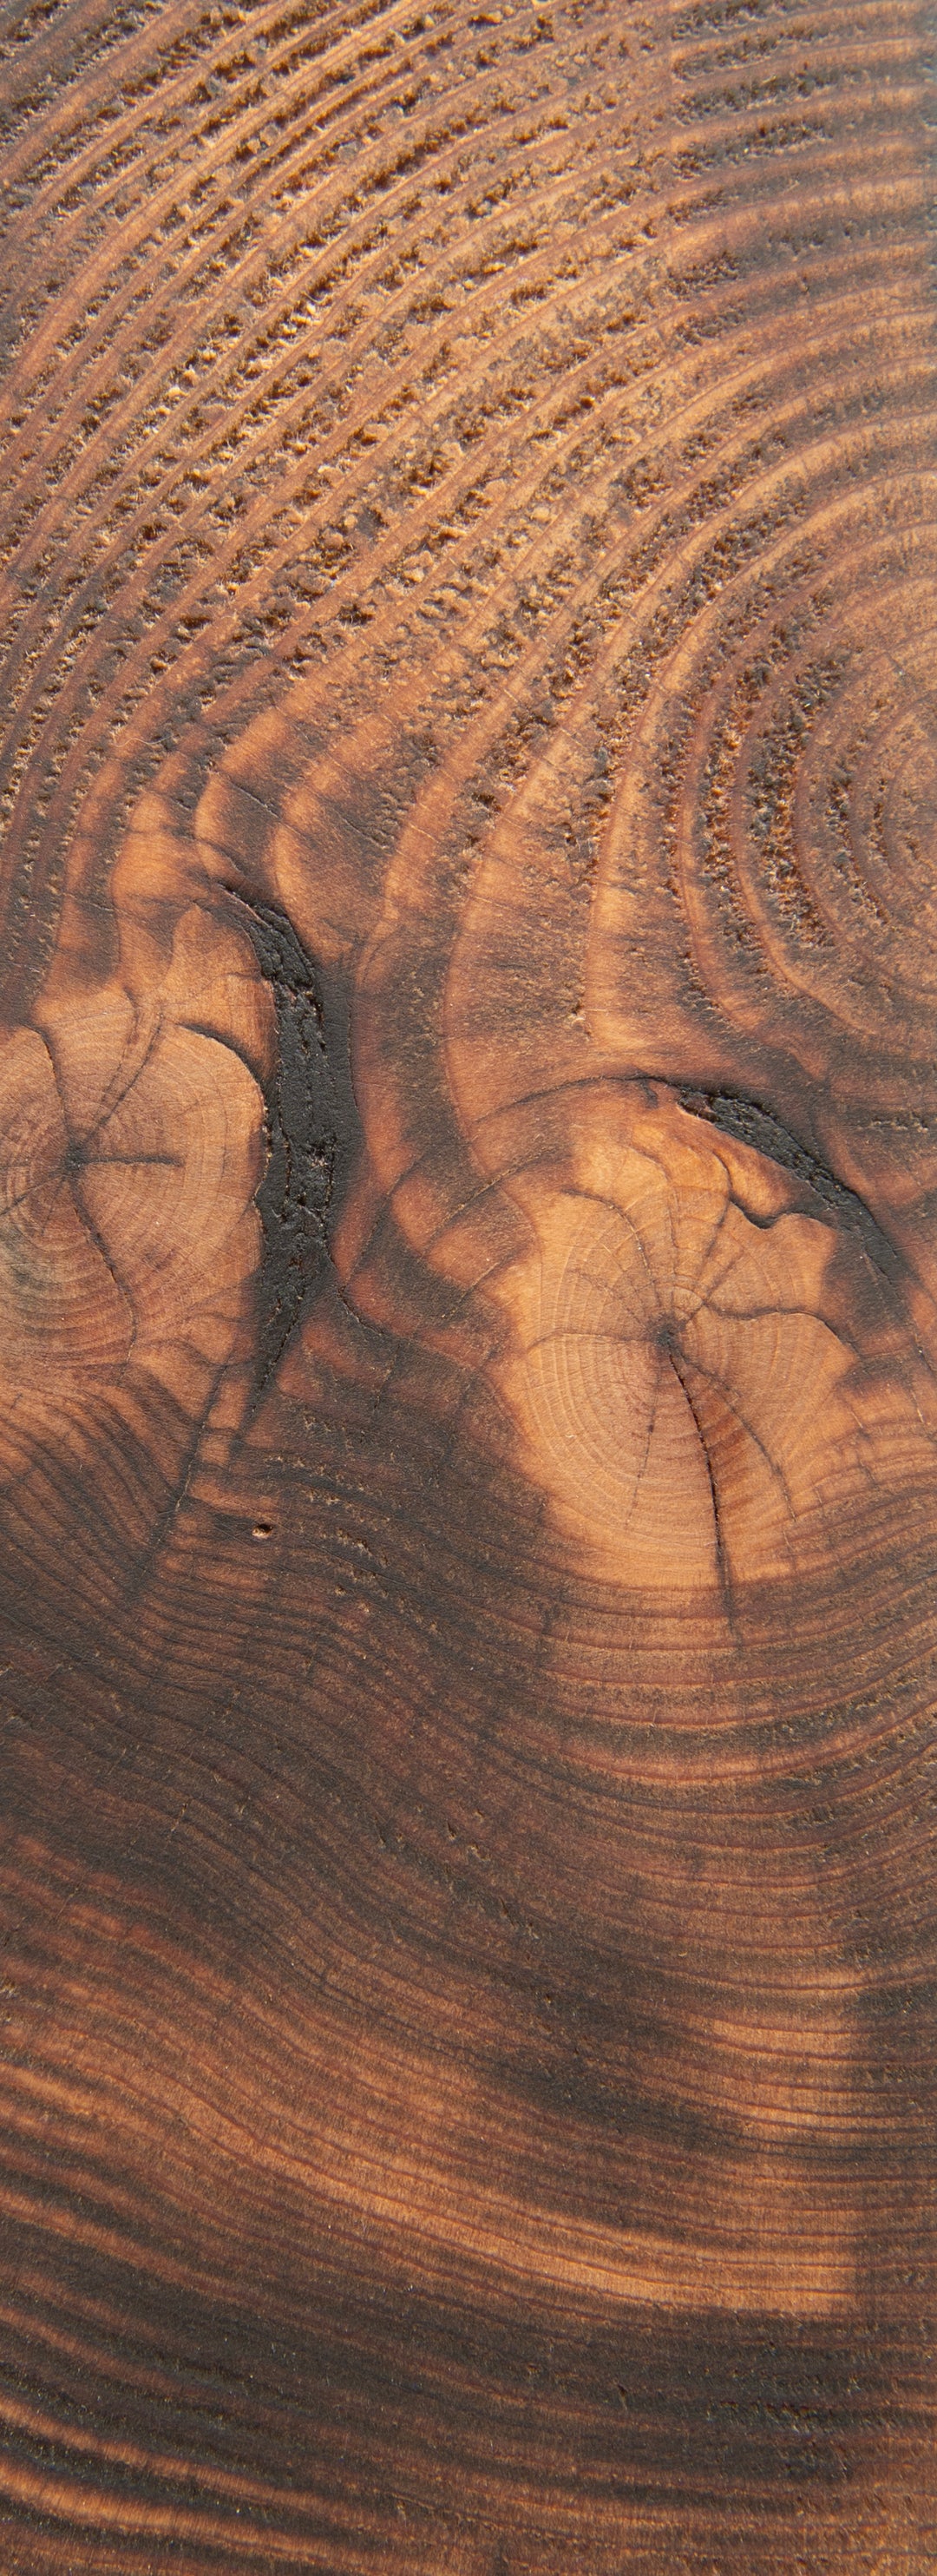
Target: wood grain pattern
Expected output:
[468,1276]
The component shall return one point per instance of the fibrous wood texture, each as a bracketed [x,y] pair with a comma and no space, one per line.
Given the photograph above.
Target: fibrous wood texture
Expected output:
[468,1261]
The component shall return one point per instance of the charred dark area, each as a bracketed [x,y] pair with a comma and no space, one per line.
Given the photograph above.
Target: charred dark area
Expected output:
[754,1125]
[310,1126]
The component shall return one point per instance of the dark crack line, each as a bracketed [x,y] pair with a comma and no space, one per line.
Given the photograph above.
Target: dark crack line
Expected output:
[591,1333]
[53,1180]
[109,1107]
[169,1515]
[95,1236]
[758,1128]
[597,1199]
[757,1443]
[608,1290]
[779,1306]
[753,1216]
[707,1296]
[706,1256]
[70,1180]
[722,1561]
[651,1426]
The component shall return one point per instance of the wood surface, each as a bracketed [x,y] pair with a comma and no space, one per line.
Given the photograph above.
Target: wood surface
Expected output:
[468,1288]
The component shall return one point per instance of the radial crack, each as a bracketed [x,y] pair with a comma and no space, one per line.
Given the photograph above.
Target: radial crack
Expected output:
[722,1560]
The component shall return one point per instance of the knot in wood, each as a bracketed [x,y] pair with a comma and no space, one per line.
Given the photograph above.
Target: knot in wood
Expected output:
[683,1368]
